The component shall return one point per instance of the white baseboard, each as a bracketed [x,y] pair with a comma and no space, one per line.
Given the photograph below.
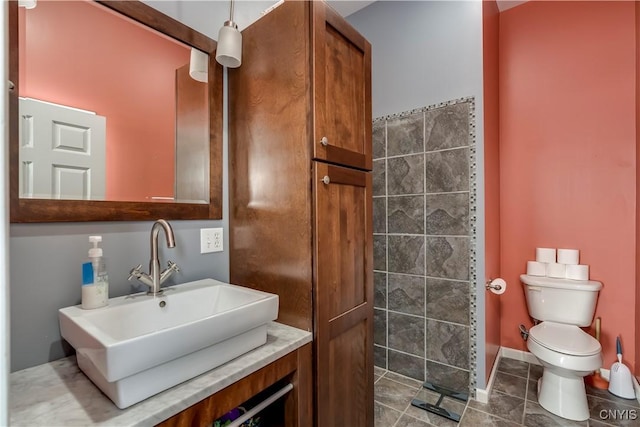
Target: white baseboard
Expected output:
[482,394]
[524,356]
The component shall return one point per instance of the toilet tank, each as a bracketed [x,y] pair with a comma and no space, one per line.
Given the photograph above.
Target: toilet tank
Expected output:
[566,301]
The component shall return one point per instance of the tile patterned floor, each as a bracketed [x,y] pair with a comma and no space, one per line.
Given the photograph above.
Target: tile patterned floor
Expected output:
[513,402]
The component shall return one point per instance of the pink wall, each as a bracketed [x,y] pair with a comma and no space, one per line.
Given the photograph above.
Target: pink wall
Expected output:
[637,188]
[99,62]
[568,153]
[490,18]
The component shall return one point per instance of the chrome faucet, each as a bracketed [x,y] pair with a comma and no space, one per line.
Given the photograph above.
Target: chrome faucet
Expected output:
[155,278]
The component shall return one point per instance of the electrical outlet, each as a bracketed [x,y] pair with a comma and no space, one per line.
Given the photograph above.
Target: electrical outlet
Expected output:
[211,240]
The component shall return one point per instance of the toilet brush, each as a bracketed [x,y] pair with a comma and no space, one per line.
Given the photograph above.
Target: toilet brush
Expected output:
[595,380]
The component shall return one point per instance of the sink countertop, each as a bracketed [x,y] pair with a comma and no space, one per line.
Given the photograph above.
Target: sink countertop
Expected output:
[59,394]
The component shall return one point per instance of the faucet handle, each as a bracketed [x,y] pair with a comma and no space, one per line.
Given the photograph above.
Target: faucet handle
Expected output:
[135,273]
[173,266]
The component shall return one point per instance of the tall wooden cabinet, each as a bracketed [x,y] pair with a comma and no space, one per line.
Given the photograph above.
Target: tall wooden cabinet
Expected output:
[300,192]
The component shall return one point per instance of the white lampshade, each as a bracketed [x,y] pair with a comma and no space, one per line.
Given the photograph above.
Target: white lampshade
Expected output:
[199,66]
[27,4]
[229,51]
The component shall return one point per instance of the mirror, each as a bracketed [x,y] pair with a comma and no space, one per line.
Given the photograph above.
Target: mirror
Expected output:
[171,168]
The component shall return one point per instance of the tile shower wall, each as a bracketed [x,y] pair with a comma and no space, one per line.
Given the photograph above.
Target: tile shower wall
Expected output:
[422,240]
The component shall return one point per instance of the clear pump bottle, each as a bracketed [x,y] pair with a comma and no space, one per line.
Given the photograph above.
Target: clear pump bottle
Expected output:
[95,281]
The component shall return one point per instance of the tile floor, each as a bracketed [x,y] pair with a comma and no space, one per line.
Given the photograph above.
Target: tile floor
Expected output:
[513,402]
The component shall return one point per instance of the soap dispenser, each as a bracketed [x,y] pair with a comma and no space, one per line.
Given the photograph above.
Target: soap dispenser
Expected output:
[95,281]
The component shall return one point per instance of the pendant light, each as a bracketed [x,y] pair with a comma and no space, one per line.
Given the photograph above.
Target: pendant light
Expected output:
[27,4]
[229,51]
[199,65]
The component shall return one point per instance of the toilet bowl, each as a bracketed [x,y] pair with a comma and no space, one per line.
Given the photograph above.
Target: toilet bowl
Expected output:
[567,354]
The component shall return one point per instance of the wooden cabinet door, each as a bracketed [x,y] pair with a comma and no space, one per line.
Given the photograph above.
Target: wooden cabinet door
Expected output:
[341,89]
[343,296]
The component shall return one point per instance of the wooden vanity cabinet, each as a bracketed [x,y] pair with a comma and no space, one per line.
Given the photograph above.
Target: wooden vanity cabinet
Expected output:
[294,409]
[300,192]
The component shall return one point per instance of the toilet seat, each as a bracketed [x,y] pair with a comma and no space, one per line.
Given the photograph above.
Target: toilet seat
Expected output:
[565,339]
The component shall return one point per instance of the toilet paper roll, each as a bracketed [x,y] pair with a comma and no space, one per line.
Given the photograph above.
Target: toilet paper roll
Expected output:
[578,272]
[569,256]
[556,270]
[535,268]
[547,255]
[498,286]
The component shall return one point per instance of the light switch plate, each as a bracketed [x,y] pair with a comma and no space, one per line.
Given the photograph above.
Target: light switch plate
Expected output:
[211,240]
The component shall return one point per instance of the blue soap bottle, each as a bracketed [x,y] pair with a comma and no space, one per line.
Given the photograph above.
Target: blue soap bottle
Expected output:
[95,281]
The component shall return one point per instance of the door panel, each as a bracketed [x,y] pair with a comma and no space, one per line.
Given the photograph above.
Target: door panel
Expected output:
[342,91]
[348,356]
[62,152]
[343,295]
[348,226]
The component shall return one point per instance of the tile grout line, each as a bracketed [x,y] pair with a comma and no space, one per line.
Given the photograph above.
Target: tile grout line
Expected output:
[432,360]
[425,334]
[426,235]
[386,244]
[447,279]
[526,395]
[403,412]
[425,151]
[485,411]
[393,409]
[466,406]
[422,194]
[408,406]
[398,382]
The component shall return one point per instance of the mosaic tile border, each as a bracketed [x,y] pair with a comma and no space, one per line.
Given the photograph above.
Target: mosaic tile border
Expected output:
[473,218]
[469,99]
[473,221]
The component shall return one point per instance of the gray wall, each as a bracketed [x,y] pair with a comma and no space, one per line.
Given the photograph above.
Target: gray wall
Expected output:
[425,53]
[45,274]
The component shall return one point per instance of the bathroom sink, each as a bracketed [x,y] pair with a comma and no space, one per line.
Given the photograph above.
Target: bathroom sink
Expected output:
[140,345]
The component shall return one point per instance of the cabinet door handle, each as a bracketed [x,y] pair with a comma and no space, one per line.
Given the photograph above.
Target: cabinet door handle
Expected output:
[325,179]
[324,141]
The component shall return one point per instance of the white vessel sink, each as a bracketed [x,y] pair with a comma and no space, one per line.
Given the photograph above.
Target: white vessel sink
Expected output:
[140,345]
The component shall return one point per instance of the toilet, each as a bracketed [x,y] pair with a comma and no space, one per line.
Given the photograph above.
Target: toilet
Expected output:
[566,352]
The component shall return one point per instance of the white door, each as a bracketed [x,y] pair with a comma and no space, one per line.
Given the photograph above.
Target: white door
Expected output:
[62,152]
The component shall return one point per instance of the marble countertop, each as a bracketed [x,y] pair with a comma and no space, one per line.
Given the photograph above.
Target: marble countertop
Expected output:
[59,394]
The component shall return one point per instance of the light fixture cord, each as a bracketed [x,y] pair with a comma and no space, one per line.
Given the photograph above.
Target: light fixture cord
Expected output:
[231,12]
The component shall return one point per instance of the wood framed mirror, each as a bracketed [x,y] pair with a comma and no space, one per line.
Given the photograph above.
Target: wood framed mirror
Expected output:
[32,208]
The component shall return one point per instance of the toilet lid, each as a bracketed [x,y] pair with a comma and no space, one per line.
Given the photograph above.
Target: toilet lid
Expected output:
[566,339]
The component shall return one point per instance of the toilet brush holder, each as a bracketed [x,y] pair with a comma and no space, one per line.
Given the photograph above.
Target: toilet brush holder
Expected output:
[620,378]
